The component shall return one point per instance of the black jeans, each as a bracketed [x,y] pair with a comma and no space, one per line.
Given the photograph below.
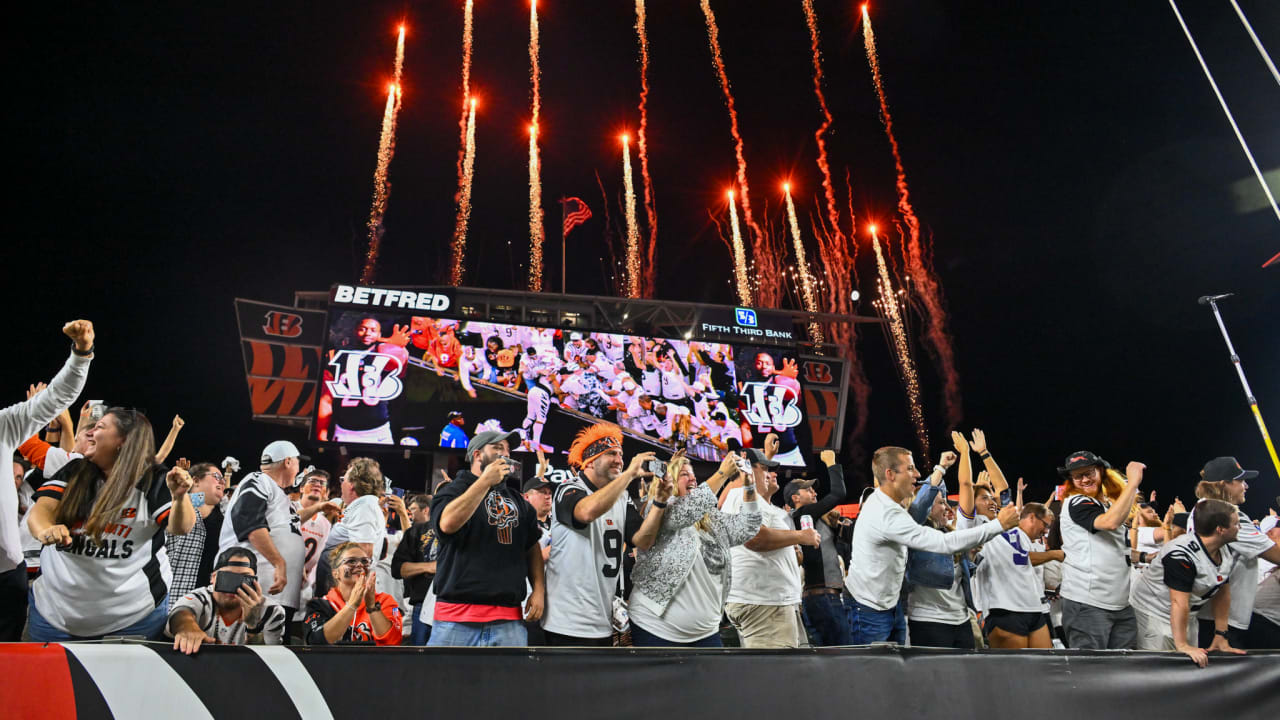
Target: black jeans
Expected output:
[13,603]
[558,640]
[940,635]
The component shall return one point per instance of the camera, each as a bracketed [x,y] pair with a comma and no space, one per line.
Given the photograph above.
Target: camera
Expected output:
[657,467]
[514,468]
[229,582]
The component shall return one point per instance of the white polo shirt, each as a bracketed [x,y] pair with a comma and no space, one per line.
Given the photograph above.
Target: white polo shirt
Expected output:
[772,577]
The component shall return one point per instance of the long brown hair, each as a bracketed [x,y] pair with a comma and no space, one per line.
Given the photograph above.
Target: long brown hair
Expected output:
[99,508]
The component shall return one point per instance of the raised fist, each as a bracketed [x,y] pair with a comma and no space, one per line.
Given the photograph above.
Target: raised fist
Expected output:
[81,333]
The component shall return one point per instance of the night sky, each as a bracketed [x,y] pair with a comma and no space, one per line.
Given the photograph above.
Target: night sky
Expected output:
[1080,183]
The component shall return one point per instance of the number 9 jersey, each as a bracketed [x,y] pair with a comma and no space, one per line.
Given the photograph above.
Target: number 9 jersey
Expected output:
[585,566]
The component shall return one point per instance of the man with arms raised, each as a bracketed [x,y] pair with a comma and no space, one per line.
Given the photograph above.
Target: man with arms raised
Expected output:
[591,520]
[488,546]
[883,534]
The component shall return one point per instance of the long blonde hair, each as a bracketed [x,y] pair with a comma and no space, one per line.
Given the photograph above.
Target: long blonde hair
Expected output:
[674,468]
[1111,486]
[132,469]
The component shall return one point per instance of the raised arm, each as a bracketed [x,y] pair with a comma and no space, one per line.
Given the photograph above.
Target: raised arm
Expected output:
[170,439]
[21,421]
[598,503]
[998,481]
[901,529]
[965,490]
[1116,515]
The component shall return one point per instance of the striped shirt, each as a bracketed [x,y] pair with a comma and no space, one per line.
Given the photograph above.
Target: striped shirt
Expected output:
[268,620]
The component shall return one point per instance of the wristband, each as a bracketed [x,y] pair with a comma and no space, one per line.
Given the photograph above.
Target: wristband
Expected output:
[985,455]
[81,353]
[939,469]
[658,504]
[376,607]
[1223,633]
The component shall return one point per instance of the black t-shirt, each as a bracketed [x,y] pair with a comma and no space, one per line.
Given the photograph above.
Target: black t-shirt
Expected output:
[486,561]
[213,531]
[1085,512]
[414,548]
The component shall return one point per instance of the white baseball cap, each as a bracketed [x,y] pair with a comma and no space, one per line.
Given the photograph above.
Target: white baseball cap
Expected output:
[279,450]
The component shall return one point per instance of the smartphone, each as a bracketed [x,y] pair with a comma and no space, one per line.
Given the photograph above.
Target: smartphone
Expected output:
[744,466]
[657,467]
[97,408]
[229,582]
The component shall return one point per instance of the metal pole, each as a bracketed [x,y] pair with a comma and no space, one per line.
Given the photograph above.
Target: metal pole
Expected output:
[1248,393]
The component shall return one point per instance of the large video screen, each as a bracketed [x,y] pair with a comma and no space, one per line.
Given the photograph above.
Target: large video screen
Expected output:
[397,378]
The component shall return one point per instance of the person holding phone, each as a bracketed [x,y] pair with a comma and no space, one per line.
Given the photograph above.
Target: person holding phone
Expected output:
[227,611]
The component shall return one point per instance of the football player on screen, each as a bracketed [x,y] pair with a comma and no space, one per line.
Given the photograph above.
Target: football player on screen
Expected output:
[362,376]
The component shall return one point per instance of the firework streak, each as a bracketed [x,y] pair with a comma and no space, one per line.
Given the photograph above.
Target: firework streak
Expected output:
[633,232]
[466,151]
[936,334]
[381,184]
[739,255]
[650,276]
[464,201]
[806,279]
[889,305]
[536,233]
[828,188]
[762,255]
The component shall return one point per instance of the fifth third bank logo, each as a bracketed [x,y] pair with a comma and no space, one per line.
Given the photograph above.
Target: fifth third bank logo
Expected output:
[746,317]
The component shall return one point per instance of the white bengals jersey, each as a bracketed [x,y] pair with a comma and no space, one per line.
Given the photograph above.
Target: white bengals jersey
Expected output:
[1181,564]
[585,565]
[1096,571]
[90,588]
[259,502]
[314,532]
[1005,577]
[610,345]
[1250,542]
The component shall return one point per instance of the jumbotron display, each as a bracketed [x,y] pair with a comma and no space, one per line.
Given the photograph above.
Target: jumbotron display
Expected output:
[413,378]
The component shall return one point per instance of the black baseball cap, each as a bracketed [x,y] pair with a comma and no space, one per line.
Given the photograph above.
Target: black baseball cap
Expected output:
[535,483]
[1180,520]
[1081,459]
[794,487]
[237,557]
[757,457]
[1226,469]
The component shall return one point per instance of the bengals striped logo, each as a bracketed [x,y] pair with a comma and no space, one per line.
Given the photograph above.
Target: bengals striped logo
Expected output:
[818,373]
[282,324]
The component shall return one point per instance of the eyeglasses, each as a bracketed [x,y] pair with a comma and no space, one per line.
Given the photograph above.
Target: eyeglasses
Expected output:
[352,562]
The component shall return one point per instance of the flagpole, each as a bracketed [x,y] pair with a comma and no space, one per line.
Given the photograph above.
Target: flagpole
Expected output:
[562,234]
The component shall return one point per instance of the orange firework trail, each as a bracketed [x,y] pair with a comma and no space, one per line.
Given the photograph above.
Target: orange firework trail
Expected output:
[466,94]
[642,140]
[381,185]
[888,304]
[713,37]
[633,232]
[936,333]
[536,233]
[806,278]
[739,255]
[464,200]
[828,188]
[399,71]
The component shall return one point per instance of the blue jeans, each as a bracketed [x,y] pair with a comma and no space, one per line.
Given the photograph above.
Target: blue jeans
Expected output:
[868,625]
[504,633]
[421,631]
[826,616]
[151,626]
[643,638]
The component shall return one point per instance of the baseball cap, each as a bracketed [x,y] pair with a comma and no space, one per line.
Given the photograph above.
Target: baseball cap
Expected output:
[535,483]
[1081,459]
[575,336]
[490,437]
[794,487]
[757,457]
[238,557]
[1226,469]
[279,450]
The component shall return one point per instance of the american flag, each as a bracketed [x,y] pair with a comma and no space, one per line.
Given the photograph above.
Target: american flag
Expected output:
[576,212]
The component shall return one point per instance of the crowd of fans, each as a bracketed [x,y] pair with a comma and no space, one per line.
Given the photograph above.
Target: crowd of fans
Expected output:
[102,539]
